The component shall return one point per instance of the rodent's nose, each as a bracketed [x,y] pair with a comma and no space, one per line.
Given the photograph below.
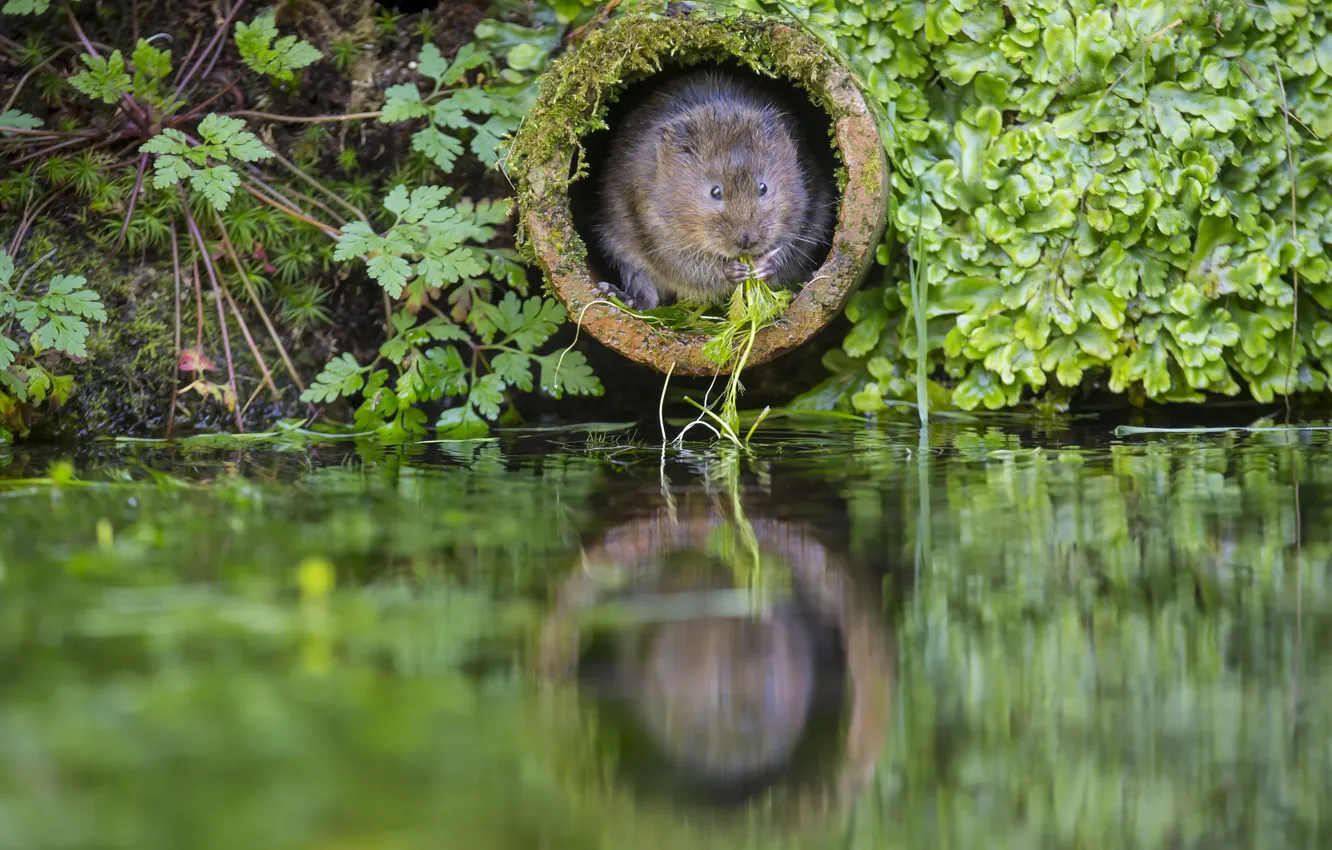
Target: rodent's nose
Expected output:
[746,240]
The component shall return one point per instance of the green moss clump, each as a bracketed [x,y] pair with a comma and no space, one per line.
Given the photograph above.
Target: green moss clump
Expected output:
[126,384]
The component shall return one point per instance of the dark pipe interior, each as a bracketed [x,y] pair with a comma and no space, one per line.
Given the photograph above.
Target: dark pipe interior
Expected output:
[814,123]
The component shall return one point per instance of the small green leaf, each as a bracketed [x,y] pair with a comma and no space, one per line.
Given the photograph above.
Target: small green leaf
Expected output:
[9,351]
[63,333]
[150,65]
[18,120]
[430,62]
[514,368]
[217,184]
[467,58]
[487,395]
[278,59]
[451,375]
[230,134]
[442,149]
[461,423]
[67,294]
[105,79]
[402,103]
[25,7]
[568,372]
[341,377]
[391,272]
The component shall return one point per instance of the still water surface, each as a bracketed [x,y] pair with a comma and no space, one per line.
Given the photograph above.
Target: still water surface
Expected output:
[1014,638]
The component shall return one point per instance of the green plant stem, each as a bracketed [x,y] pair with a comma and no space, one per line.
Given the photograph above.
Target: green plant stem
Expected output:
[299,172]
[331,232]
[254,299]
[202,247]
[919,294]
[1295,241]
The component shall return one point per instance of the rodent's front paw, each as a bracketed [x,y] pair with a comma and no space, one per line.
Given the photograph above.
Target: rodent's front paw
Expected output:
[736,271]
[611,291]
[765,266]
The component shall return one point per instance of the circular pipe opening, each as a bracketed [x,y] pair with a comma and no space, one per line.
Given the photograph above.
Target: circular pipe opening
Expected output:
[557,156]
[814,125]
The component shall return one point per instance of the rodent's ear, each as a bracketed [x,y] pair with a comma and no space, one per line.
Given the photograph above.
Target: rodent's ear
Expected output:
[675,136]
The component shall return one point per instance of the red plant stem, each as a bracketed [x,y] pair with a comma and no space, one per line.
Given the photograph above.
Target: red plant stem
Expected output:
[263,314]
[22,131]
[302,119]
[47,151]
[315,202]
[129,213]
[26,223]
[198,306]
[212,48]
[18,87]
[254,349]
[130,105]
[294,169]
[201,107]
[180,69]
[175,382]
[221,310]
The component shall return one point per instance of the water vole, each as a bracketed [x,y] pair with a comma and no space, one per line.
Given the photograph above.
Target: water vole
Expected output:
[707,169]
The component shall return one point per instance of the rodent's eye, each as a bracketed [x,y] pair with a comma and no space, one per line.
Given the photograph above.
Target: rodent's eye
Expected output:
[716,193]
[763,189]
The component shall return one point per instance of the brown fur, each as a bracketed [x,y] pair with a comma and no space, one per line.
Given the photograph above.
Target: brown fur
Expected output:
[666,234]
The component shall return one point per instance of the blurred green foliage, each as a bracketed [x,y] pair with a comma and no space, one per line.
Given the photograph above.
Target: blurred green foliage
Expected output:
[330,647]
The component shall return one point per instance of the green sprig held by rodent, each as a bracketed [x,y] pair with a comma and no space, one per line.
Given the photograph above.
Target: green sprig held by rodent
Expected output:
[753,306]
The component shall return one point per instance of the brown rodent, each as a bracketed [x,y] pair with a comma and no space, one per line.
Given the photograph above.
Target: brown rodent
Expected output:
[707,169]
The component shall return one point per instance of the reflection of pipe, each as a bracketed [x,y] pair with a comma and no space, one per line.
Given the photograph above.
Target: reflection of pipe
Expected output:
[632,548]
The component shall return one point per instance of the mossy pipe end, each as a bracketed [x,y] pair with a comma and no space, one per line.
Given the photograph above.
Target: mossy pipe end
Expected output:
[549,158]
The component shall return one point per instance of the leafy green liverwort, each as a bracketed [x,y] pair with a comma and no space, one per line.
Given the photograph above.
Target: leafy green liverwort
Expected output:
[1103,195]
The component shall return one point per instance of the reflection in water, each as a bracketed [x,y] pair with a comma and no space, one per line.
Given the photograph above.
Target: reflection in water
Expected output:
[1124,645]
[728,697]
[741,649]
